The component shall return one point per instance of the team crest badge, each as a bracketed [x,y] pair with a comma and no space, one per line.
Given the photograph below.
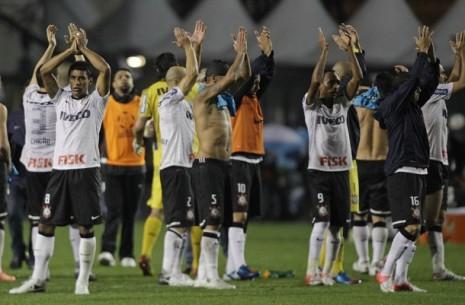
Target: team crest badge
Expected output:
[214,212]
[242,199]
[322,211]
[190,215]
[46,212]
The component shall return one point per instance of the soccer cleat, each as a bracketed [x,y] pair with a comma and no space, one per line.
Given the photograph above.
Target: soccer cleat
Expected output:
[245,273]
[144,265]
[385,283]
[447,275]
[407,287]
[200,283]
[231,276]
[343,278]
[128,262]
[327,279]
[361,267]
[81,289]
[4,277]
[28,286]
[219,284]
[163,279]
[106,259]
[375,267]
[313,279]
[180,280]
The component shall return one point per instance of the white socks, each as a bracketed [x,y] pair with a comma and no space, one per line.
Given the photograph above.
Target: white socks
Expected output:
[332,246]
[398,246]
[379,236]
[34,233]
[43,251]
[75,238]
[360,234]
[436,245]
[172,252]
[314,247]
[202,271]
[86,258]
[236,249]
[210,246]
[403,262]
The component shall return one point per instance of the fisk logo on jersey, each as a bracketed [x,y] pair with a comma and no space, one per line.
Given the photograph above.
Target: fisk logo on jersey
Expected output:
[39,163]
[330,121]
[333,161]
[74,117]
[71,159]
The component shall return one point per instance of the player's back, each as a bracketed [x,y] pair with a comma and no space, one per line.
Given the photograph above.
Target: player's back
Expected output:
[149,105]
[373,143]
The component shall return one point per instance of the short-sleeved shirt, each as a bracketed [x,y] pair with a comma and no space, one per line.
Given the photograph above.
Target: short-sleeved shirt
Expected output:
[77,130]
[40,121]
[149,105]
[176,129]
[435,116]
[329,143]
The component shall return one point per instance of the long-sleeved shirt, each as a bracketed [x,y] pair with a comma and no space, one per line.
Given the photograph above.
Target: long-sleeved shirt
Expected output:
[263,65]
[400,113]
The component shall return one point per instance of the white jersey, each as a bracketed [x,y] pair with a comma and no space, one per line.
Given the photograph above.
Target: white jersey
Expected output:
[77,130]
[329,142]
[435,117]
[176,129]
[40,120]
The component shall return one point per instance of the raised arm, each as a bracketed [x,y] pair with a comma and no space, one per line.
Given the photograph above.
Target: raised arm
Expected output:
[197,38]
[319,70]
[103,80]
[455,72]
[459,81]
[352,50]
[263,65]
[5,151]
[240,46]
[192,69]
[243,72]
[47,68]
[52,42]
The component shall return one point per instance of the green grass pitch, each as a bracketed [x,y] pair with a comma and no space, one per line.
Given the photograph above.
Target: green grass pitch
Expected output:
[277,246]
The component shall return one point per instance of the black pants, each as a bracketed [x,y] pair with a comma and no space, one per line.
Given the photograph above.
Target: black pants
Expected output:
[122,194]
[16,204]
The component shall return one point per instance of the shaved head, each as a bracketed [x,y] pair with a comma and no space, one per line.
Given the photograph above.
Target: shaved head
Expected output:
[175,73]
[342,68]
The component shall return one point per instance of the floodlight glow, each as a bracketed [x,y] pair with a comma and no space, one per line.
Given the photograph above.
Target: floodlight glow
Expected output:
[136,61]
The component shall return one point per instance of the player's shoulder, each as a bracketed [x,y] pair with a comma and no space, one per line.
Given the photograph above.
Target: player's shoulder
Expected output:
[156,89]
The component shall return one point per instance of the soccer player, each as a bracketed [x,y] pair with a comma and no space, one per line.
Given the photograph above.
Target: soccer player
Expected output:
[407,160]
[371,156]
[5,163]
[343,71]
[247,154]
[123,169]
[325,107]
[72,194]
[435,116]
[212,109]
[177,134]
[149,110]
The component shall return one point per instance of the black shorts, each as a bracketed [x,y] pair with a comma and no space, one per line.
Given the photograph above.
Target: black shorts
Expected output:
[3,188]
[437,174]
[72,197]
[177,196]
[246,187]
[406,194]
[372,188]
[330,197]
[36,185]
[212,192]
